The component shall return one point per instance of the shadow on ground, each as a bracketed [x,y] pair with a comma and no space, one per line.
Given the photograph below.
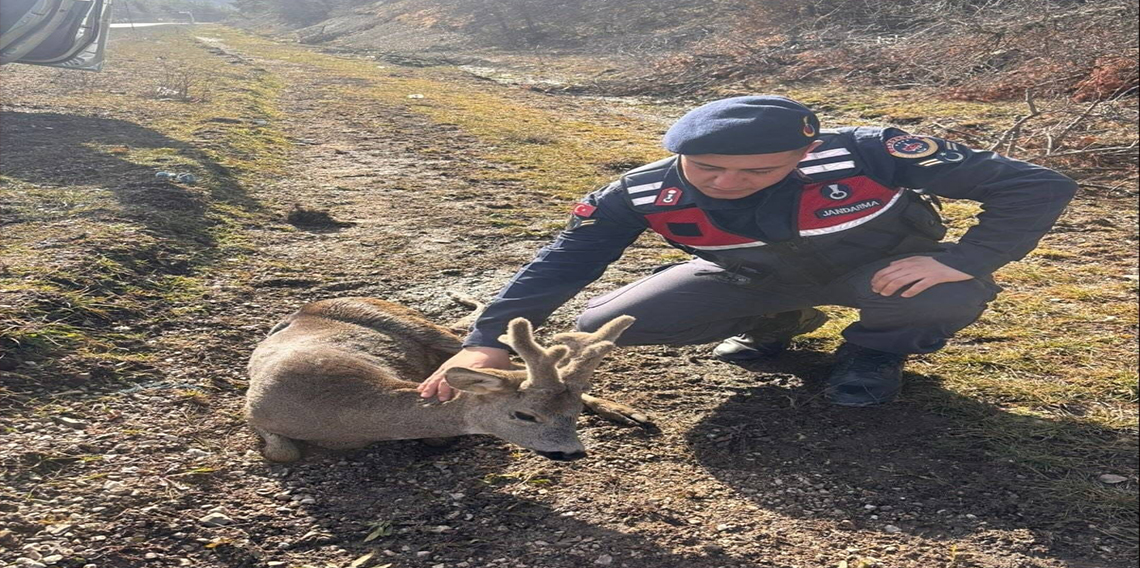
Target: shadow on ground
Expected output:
[61,150]
[101,263]
[425,505]
[943,465]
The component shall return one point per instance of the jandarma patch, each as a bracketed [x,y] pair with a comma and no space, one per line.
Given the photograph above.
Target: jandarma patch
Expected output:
[911,146]
[848,209]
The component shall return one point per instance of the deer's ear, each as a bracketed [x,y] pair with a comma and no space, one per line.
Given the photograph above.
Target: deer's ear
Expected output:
[477,382]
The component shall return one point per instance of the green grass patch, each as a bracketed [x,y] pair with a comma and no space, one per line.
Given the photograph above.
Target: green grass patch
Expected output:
[87,259]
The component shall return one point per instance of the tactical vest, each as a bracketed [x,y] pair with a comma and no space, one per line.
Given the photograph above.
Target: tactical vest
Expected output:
[844,218]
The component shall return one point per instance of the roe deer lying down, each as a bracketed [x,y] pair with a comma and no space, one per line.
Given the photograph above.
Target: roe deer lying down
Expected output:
[342,373]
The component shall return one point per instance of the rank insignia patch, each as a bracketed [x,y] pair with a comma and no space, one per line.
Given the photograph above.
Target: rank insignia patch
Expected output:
[668,197]
[576,221]
[911,146]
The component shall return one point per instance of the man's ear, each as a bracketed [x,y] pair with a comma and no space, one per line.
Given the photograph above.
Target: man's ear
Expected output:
[479,382]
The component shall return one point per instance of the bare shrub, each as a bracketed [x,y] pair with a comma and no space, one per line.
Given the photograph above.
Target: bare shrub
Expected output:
[974,49]
[181,81]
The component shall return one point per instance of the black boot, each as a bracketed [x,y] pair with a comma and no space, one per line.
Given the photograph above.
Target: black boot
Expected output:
[771,336]
[864,377]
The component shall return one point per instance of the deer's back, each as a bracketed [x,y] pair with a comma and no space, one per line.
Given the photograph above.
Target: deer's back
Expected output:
[378,340]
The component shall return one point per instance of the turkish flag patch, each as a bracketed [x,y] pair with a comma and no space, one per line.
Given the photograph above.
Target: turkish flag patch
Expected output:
[584,210]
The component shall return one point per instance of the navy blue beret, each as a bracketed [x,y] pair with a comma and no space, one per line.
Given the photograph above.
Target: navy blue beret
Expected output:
[743,125]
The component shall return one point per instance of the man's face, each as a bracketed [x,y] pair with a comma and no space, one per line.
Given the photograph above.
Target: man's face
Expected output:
[724,176]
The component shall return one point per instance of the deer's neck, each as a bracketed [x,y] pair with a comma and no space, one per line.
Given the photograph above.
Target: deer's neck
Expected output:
[412,417]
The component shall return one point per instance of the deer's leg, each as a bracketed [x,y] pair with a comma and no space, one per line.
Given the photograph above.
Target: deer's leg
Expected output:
[278,448]
[616,411]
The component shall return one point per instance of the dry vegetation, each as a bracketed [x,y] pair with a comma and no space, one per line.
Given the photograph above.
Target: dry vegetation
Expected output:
[1073,63]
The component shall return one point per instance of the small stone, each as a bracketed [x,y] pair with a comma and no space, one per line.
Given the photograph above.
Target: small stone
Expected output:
[215,520]
[891,529]
[29,563]
[197,453]
[870,507]
[274,563]
[1111,478]
[71,422]
[150,556]
[846,525]
[604,560]
[423,554]
[52,559]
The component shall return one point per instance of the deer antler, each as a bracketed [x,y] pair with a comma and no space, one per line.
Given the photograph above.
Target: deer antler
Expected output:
[576,373]
[541,363]
[587,351]
[578,341]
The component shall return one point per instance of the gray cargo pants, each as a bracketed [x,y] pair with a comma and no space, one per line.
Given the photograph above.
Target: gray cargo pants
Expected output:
[699,302]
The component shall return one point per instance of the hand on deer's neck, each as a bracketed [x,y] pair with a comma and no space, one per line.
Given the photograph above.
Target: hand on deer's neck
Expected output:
[469,357]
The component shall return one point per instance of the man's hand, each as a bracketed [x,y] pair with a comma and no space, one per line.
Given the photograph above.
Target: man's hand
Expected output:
[470,357]
[919,272]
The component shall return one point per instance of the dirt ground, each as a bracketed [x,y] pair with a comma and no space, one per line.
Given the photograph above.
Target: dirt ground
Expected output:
[748,467]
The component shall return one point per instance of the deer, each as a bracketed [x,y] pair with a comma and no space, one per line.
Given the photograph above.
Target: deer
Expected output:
[342,373]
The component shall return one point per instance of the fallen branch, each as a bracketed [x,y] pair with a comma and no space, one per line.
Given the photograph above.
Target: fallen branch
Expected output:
[1055,143]
[1011,134]
[1118,149]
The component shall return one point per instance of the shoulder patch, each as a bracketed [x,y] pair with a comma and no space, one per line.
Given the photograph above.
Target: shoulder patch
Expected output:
[580,216]
[584,210]
[911,147]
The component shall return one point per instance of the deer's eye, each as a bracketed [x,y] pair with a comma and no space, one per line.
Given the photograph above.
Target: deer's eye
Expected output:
[524,417]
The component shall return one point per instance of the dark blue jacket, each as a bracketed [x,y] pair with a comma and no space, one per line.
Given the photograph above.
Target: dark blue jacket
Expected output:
[845,206]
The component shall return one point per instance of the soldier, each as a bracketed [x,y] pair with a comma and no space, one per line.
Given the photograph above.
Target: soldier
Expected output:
[782,217]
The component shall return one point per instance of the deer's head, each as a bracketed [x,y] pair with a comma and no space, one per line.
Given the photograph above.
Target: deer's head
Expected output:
[538,407]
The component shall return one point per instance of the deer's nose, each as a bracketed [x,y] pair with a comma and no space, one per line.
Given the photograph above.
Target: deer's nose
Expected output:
[562,456]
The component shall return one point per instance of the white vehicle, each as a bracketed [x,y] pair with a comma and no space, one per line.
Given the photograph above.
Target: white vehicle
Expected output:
[59,33]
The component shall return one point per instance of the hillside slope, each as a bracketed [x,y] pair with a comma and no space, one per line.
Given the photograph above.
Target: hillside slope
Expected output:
[989,50]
